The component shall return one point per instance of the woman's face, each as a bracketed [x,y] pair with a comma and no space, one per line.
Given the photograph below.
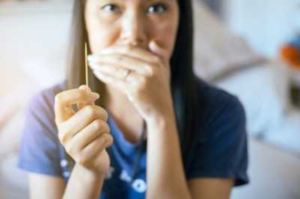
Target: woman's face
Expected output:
[132,23]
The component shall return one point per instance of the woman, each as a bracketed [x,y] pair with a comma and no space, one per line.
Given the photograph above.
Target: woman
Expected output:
[154,119]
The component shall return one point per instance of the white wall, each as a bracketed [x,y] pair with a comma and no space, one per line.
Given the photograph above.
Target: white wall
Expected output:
[265,24]
[34,39]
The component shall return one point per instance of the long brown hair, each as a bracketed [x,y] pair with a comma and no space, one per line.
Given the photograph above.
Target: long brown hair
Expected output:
[183,80]
[76,60]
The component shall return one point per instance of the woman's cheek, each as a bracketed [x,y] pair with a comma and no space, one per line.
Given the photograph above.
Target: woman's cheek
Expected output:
[167,41]
[102,37]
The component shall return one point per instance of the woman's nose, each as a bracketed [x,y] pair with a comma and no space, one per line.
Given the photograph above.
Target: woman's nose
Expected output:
[133,30]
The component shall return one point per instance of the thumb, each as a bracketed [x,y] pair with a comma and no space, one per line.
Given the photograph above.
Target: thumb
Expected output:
[80,105]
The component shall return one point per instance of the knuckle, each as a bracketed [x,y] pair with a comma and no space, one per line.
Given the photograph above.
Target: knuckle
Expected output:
[100,125]
[62,138]
[97,124]
[107,128]
[105,115]
[109,140]
[58,97]
[151,71]
[90,110]
[81,159]
[64,134]
[69,149]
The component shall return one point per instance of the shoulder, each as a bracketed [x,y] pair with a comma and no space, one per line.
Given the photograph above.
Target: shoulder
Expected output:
[221,145]
[222,115]
[40,147]
[40,108]
[214,99]
[215,104]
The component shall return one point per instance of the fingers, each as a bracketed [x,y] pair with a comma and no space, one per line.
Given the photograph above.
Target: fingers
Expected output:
[116,72]
[92,150]
[86,136]
[121,61]
[85,133]
[135,52]
[153,55]
[97,146]
[80,105]
[116,82]
[80,120]
[117,60]
[65,100]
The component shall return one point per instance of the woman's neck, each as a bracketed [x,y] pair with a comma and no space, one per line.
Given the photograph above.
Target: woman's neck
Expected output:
[123,113]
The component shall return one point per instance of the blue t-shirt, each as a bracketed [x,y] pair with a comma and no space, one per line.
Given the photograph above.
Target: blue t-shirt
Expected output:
[220,150]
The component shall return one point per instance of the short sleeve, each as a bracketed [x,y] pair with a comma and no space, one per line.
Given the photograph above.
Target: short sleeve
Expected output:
[40,147]
[224,152]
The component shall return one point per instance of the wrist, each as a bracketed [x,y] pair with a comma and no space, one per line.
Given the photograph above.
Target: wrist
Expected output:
[89,174]
[161,122]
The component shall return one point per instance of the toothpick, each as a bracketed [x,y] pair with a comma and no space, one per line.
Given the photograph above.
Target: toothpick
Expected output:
[86,67]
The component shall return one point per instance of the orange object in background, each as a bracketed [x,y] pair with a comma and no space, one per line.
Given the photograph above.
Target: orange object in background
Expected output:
[291,55]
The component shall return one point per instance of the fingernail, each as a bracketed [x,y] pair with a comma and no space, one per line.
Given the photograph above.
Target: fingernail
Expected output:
[85,88]
[152,47]
[82,87]
[94,95]
[152,43]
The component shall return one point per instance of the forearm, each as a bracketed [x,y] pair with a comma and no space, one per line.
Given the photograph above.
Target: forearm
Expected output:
[84,184]
[165,173]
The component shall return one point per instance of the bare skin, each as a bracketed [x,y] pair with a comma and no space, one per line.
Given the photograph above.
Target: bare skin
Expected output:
[127,35]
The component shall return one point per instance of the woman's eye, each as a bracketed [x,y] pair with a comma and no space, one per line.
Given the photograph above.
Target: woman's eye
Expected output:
[157,8]
[110,8]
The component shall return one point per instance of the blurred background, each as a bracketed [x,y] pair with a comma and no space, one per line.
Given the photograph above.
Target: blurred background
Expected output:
[249,48]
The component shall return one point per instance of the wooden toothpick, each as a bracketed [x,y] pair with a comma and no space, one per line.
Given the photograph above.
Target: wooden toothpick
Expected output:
[86,66]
